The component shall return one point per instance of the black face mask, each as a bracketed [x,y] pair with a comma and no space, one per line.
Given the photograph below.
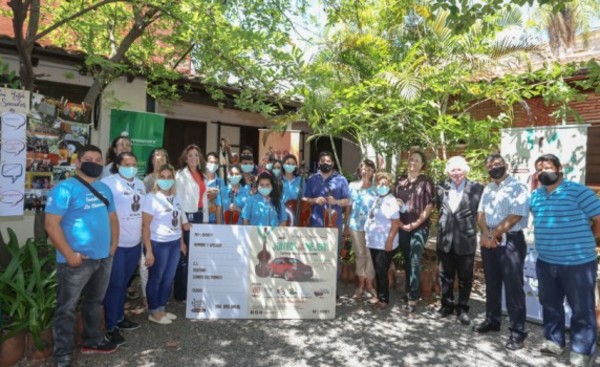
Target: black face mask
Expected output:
[497,172]
[91,169]
[325,168]
[548,178]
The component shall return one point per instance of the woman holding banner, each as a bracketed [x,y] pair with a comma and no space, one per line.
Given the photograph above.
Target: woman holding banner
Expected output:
[265,208]
[162,223]
[192,193]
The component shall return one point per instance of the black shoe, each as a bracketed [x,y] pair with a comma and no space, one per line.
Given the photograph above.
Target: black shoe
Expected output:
[63,362]
[102,348]
[127,325]
[486,326]
[463,318]
[444,311]
[113,336]
[514,343]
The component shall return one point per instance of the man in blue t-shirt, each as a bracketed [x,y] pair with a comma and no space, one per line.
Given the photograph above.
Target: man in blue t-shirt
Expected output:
[83,226]
[566,264]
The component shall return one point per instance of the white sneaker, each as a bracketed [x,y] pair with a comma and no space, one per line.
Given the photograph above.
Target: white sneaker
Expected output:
[162,321]
[550,347]
[171,316]
[580,360]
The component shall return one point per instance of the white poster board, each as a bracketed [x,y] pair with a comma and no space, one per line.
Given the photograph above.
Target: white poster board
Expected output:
[14,107]
[249,272]
[520,147]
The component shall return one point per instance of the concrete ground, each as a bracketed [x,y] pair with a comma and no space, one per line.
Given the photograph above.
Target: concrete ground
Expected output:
[358,336]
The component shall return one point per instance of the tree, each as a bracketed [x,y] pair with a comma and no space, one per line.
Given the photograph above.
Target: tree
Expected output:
[242,41]
[392,77]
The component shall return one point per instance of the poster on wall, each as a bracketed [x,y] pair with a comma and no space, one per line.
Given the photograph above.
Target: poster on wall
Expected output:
[56,130]
[278,144]
[254,272]
[521,147]
[144,129]
[14,106]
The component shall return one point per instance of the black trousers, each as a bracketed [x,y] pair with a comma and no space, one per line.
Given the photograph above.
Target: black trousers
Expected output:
[381,263]
[181,275]
[503,265]
[451,265]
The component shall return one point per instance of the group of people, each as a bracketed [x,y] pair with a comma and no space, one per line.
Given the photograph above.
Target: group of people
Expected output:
[105,222]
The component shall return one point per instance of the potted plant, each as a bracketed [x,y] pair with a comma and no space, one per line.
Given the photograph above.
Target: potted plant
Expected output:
[13,306]
[29,283]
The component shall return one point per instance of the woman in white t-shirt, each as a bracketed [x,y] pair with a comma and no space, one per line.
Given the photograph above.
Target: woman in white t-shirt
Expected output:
[128,192]
[162,223]
[381,230]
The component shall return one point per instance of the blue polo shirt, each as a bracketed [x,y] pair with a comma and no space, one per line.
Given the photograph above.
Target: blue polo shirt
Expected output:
[290,188]
[561,220]
[335,185]
[228,196]
[261,212]
[212,209]
[85,221]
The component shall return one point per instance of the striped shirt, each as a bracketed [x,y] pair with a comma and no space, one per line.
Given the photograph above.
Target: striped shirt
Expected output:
[561,220]
[499,201]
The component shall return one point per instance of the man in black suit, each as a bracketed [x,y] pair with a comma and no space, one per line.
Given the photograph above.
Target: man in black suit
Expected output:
[457,200]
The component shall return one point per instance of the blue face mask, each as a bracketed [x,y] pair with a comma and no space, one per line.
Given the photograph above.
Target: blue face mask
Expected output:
[165,184]
[247,168]
[276,172]
[289,168]
[382,190]
[128,172]
[235,179]
[265,191]
[269,166]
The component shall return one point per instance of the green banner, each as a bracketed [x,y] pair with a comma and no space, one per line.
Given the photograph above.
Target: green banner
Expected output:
[144,129]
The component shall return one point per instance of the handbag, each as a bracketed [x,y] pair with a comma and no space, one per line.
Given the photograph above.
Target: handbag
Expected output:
[93,190]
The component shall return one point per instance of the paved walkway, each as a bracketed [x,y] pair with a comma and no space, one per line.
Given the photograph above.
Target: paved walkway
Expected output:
[358,336]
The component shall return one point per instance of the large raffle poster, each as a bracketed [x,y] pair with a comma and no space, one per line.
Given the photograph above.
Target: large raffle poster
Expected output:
[248,272]
[14,107]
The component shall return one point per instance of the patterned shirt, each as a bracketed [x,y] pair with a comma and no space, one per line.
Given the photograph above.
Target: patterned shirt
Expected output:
[361,202]
[499,201]
[415,195]
[561,220]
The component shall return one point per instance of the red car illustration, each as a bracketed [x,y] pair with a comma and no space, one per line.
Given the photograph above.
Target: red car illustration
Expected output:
[290,269]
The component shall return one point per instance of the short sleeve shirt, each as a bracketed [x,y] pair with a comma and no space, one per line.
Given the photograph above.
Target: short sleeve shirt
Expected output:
[128,196]
[261,212]
[166,212]
[85,219]
[379,222]
[214,204]
[509,198]
[290,188]
[361,201]
[230,196]
[561,222]
[416,195]
[335,185]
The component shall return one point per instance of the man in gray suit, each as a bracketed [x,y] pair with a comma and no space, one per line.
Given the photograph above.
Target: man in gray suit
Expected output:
[457,200]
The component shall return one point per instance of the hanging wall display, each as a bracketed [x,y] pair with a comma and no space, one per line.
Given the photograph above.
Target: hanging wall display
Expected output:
[14,106]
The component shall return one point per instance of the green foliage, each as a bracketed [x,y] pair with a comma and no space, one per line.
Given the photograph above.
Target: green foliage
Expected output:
[8,77]
[395,75]
[28,287]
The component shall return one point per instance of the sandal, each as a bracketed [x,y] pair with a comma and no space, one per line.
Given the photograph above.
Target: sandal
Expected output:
[411,306]
[358,294]
[380,305]
[373,300]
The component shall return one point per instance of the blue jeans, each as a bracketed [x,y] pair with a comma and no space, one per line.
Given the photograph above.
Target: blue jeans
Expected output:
[412,245]
[124,263]
[161,274]
[577,283]
[89,281]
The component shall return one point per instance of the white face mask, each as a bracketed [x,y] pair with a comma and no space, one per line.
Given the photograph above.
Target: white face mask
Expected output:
[212,167]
